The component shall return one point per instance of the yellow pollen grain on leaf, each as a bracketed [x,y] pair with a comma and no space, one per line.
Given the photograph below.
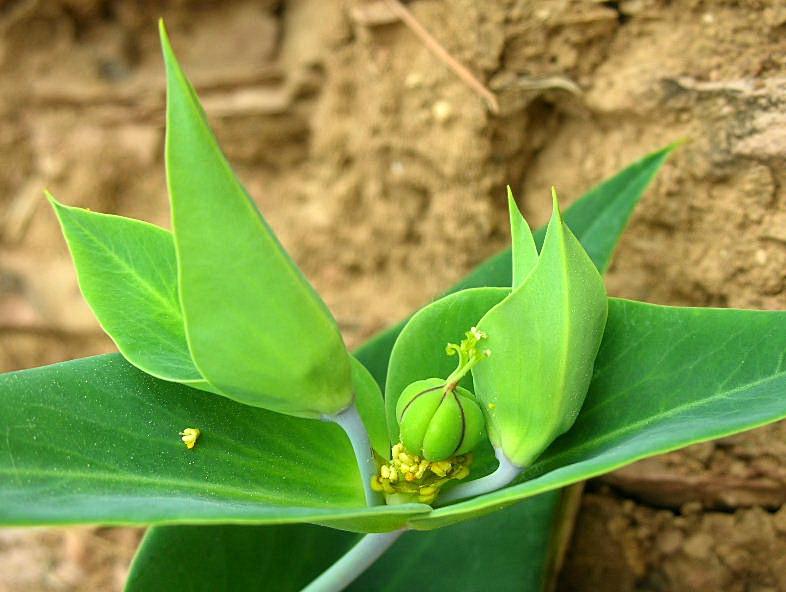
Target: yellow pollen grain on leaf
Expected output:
[189,436]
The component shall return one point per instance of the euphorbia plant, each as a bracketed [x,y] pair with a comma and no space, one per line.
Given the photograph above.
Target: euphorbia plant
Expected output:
[234,400]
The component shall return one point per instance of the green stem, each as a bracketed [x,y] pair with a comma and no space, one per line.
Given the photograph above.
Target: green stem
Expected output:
[354,562]
[505,473]
[468,356]
[352,424]
[460,372]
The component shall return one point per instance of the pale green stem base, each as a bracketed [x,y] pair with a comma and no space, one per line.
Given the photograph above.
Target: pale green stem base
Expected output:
[350,422]
[354,562]
[505,473]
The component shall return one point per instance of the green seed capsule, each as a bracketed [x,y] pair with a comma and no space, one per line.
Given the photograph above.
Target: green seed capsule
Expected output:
[438,420]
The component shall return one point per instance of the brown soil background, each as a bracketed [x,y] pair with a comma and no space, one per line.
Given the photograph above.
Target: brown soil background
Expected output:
[384,176]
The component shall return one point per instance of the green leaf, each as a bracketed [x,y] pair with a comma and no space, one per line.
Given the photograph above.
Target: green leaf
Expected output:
[371,407]
[611,210]
[507,551]
[127,272]
[218,558]
[256,329]
[543,339]
[524,253]
[665,378]
[96,441]
[601,214]
[597,219]
[419,351]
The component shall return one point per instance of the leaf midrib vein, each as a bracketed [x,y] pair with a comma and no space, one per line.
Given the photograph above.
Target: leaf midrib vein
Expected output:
[625,429]
[177,484]
[169,305]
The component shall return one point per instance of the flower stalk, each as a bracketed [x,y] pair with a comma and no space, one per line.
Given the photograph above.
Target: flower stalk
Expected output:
[350,421]
[502,476]
[354,562]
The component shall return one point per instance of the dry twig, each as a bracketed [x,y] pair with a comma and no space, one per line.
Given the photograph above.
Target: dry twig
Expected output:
[438,50]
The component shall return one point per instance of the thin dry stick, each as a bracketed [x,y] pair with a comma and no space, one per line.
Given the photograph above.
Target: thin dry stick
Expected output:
[436,48]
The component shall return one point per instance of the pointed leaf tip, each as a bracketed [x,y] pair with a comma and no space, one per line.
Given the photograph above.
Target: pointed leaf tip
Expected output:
[163,34]
[525,253]
[59,208]
[544,337]
[170,59]
[51,198]
[678,143]
[227,253]
[127,273]
[554,198]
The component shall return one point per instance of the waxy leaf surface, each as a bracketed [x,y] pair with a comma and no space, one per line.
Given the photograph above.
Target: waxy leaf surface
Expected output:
[96,441]
[543,339]
[507,551]
[127,272]
[226,558]
[257,330]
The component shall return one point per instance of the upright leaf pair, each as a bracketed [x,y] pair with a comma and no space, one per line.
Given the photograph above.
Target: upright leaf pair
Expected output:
[543,339]
[217,304]
[542,334]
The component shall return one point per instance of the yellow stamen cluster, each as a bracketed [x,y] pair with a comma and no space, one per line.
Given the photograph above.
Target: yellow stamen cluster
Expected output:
[416,477]
[189,437]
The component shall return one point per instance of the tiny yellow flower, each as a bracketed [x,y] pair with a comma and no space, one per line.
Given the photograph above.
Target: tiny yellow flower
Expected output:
[189,437]
[441,468]
[414,478]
